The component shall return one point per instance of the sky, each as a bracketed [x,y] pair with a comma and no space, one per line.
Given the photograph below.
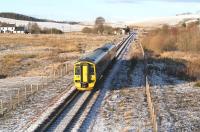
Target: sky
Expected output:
[88,10]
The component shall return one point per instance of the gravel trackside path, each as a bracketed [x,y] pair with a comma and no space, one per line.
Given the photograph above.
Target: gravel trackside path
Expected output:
[124,107]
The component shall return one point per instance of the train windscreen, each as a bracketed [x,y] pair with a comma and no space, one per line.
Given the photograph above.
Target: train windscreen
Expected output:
[78,70]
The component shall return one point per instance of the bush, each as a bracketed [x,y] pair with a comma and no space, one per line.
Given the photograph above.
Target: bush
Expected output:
[197,84]
[169,44]
[51,31]
[34,28]
[108,29]
[87,30]
[176,38]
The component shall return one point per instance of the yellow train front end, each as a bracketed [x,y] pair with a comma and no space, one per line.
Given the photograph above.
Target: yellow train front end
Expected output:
[84,75]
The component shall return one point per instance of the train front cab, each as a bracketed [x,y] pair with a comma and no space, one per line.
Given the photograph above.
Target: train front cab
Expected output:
[84,75]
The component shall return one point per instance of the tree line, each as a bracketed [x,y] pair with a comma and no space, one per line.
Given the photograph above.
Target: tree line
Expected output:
[34,28]
[181,38]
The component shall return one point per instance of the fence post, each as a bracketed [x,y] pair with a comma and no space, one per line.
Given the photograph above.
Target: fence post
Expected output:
[61,71]
[156,127]
[37,87]
[47,77]
[1,106]
[18,97]
[54,75]
[42,79]
[25,92]
[60,87]
[66,68]
[42,85]
[31,88]
[11,105]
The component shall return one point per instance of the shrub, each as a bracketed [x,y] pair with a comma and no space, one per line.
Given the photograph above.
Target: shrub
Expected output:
[51,31]
[173,38]
[108,29]
[169,44]
[197,84]
[34,28]
[87,30]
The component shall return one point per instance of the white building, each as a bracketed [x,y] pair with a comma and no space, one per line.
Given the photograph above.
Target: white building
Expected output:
[7,28]
[12,28]
[19,30]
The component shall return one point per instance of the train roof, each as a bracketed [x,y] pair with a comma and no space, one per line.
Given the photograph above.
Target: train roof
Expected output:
[92,57]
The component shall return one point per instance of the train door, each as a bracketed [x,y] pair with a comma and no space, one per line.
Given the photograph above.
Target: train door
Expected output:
[85,73]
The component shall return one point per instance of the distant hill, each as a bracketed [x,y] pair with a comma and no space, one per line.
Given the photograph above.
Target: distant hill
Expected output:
[17,16]
[169,20]
[21,17]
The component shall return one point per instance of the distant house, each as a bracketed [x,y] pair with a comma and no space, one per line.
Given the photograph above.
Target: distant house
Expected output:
[7,28]
[11,28]
[19,30]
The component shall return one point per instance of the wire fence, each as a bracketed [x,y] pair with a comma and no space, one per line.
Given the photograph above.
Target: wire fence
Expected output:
[151,107]
[149,99]
[25,91]
[148,94]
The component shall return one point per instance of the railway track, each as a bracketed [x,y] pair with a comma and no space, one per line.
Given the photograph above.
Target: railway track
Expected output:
[70,114]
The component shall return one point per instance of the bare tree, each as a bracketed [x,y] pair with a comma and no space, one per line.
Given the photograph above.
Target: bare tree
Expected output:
[99,24]
[34,28]
[100,21]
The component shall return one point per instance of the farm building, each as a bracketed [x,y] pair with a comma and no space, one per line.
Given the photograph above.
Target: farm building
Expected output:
[11,28]
[19,29]
[7,28]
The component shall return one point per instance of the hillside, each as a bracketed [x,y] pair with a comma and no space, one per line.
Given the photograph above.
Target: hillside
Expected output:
[169,20]
[21,17]
[61,26]
[17,16]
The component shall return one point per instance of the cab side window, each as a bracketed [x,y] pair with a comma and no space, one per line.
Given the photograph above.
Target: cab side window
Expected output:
[91,69]
[77,70]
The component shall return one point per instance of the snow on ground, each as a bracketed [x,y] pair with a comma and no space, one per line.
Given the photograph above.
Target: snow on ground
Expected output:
[61,26]
[9,85]
[17,120]
[124,107]
[170,20]
[177,102]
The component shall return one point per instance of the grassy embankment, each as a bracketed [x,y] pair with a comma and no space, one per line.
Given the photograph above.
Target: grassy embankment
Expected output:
[178,47]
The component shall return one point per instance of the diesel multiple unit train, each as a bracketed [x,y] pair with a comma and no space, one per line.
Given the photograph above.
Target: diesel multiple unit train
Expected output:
[90,68]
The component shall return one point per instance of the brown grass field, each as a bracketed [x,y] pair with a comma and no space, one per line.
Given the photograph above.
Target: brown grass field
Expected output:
[30,55]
